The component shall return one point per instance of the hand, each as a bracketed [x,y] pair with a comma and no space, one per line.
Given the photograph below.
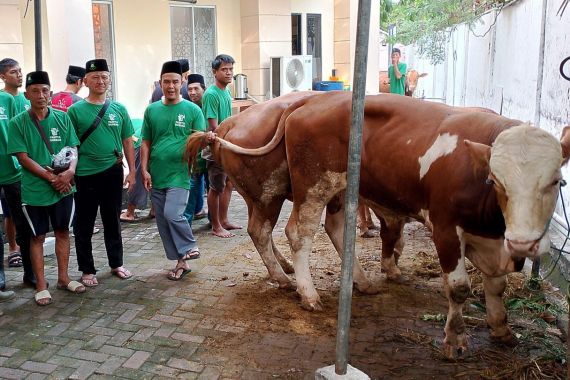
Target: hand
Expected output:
[210,137]
[395,61]
[130,180]
[147,180]
[62,182]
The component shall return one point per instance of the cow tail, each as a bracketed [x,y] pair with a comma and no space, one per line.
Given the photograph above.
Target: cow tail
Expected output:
[194,144]
[277,137]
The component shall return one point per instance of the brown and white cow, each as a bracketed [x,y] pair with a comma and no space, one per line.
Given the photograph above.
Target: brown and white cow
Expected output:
[412,78]
[433,163]
[261,176]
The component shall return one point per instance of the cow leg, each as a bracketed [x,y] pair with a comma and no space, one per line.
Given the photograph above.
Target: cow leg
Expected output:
[260,226]
[334,226]
[496,313]
[391,232]
[285,264]
[451,253]
[300,231]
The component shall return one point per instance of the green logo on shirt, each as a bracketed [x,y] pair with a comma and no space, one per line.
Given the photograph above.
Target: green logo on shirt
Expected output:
[180,122]
[54,135]
[112,120]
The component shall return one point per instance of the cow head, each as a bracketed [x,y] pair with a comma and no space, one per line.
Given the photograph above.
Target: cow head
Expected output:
[412,77]
[524,168]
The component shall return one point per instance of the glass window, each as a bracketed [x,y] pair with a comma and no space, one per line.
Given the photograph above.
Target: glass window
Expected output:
[296,34]
[314,44]
[105,39]
[193,30]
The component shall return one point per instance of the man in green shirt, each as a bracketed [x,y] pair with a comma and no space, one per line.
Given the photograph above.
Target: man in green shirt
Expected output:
[99,175]
[397,73]
[166,126]
[217,106]
[17,228]
[46,196]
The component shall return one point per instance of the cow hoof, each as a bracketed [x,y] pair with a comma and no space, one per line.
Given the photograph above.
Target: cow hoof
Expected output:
[312,306]
[508,340]
[289,285]
[399,279]
[454,352]
[368,289]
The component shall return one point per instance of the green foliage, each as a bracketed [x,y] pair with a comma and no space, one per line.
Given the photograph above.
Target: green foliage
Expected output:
[429,24]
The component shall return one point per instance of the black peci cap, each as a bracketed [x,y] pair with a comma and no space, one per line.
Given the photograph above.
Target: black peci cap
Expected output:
[76,71]
[196,78]
[184,64]
[96,65]
[171,67]
[37,77]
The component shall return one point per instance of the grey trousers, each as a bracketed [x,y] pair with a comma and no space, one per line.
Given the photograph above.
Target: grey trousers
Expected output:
[175,232]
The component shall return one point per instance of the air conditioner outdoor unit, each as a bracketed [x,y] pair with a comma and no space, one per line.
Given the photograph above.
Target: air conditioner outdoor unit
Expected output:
[289,74]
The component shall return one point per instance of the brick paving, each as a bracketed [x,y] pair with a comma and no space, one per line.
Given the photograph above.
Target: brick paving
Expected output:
[144,328]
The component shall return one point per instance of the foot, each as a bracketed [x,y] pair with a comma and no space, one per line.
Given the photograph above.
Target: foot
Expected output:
[31,281]
[7,295]
[193,254]
[15,259]
[122,273]
[231,226]
[72,286]
[223,233]
[178,272]
[127,217]
[89,280]
[201,215]
[43,298]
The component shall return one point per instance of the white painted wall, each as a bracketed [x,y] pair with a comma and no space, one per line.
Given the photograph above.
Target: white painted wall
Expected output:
[11,40]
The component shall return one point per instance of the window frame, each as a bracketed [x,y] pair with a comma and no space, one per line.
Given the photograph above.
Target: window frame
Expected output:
[113,57]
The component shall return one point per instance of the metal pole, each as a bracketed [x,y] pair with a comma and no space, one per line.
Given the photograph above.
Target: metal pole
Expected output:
[353,180]
[38,33]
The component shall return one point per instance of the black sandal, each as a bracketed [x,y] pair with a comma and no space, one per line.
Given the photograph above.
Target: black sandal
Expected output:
[15,260]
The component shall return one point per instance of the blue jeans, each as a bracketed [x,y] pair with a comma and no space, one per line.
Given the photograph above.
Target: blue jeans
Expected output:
[195,196]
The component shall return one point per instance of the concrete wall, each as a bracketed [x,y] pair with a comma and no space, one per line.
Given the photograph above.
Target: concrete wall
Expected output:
[510,66]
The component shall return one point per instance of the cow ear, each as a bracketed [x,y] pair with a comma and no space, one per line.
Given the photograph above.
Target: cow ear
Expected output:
[565,143]
[423,75]
[480,154]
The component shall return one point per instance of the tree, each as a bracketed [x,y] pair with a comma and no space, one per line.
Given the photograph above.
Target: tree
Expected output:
[429,24]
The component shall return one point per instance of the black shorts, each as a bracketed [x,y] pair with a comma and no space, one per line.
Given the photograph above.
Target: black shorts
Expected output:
[216,176]
[60,214]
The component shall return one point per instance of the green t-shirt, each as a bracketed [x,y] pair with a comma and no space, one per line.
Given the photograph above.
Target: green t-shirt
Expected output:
[97,153]
[217,104]
[9,167]
[167,127]
[22,104]
[137,127]
[23,136]
[398,86]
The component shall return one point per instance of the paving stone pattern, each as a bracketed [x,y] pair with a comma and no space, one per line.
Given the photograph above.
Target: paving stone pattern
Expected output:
[144,328]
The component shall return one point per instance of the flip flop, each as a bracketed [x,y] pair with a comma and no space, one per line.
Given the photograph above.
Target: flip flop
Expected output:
[172,275]
[125,219]
[122,273]
[89,280]
[43,295]
[73,287]
[15,259]
[193,254]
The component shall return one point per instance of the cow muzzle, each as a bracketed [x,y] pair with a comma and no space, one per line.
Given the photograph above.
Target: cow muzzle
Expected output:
[527,248]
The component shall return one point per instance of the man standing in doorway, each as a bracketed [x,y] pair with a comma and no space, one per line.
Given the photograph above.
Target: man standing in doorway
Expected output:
[104,129]
[11,75]
[74,79]
[217,106]
[166,127]
[397,73]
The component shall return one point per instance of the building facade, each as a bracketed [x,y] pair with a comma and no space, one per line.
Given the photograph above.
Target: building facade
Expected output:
[137,36]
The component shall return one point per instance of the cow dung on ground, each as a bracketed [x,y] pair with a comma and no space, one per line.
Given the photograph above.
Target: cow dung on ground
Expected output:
[396,334]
